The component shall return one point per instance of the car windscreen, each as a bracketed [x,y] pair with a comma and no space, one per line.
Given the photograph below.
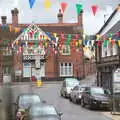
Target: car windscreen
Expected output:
[72,83]
[98,91]
[42,111]
[27,100]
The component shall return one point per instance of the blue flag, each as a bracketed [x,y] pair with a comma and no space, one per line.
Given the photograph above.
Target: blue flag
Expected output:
[31,2]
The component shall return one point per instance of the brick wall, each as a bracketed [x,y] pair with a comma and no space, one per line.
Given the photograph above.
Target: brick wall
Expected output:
[90,68]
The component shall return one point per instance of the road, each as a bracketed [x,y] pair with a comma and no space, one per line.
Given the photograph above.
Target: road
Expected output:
[50,93]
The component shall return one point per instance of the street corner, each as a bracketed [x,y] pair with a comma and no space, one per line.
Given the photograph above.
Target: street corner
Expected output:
[112,116]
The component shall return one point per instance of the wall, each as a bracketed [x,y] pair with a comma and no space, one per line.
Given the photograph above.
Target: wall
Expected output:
[90,68]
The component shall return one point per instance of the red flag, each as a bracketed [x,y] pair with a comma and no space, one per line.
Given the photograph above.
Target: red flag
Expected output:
[94,9]
[63,6]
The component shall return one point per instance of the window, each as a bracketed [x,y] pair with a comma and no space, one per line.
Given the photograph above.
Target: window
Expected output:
[7,52]
[65,50]
[66,69]
[26,69]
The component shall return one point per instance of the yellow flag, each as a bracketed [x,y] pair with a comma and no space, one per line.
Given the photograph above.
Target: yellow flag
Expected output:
[17,29]
[47,3]
[80,42]
[10,28]
[119,43]
[55,35]
[76,44]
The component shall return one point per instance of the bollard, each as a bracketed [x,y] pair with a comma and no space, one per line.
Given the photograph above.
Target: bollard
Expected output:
[39,83]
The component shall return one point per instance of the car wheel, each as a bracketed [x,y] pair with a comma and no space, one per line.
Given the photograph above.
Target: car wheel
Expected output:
[91,106]
[61,94]
[82,102]
[70,98]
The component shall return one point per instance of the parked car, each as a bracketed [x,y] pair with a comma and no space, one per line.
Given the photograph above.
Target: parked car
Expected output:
[96,97]
[25,100]
[43,112]
[76,93]
[67,85]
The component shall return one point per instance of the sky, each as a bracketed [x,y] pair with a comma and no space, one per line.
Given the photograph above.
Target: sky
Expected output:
[39,14]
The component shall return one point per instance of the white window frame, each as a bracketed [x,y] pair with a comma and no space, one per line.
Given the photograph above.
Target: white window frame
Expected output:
[65,69]
[66,50]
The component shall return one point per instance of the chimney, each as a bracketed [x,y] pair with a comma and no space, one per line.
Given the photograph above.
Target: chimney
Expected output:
[80,18]
[60,16]
[3,18]
[14,13]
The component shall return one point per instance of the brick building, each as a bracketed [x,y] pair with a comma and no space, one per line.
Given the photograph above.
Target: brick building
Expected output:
[57,66]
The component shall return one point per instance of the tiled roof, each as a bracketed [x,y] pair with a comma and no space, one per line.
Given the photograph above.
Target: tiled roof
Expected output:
[110,18]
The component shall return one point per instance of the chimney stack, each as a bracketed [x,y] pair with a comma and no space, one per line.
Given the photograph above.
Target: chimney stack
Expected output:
[80,18]
[3,18]
[60,16]
[15,13]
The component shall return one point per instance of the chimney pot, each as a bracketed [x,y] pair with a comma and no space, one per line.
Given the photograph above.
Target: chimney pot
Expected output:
[15,13]
[60,16]
[3,18]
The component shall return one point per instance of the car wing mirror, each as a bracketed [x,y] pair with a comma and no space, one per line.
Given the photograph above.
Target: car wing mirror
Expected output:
[60,113]
[44,101]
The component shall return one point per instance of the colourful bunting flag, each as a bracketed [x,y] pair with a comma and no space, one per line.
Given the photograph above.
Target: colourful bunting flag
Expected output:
[63,6]
[31,3]
[94,9]
[79,8]
[119,43]
[47,3]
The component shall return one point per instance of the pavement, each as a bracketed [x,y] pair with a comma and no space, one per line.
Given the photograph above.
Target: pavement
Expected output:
[112,117]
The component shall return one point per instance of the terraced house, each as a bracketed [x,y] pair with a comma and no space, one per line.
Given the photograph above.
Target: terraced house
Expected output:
[108,50]
[22,63]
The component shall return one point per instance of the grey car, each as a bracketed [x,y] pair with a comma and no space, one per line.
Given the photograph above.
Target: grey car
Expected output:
[43,112]
[76,93]
[67,85]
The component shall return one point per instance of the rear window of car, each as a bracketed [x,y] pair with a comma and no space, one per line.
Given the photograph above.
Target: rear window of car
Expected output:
[29,99]
[72,83]
[99,91]
[71,79]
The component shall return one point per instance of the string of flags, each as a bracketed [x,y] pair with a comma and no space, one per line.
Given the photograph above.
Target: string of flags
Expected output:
[64,5]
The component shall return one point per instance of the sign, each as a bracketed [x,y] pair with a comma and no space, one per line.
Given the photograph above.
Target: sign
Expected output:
[116,81]
[37,63]
[116,76]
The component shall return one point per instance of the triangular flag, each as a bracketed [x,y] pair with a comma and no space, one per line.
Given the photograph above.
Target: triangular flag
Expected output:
[119,43]
[64,6]
[31,2]
[79,8]
[94,9]
[17,29]
[47,3]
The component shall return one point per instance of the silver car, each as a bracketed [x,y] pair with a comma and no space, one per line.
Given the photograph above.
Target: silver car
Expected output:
[76,93]
[67,85]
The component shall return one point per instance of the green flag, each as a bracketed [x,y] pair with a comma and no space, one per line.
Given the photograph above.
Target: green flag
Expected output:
[105,43]
[79,8]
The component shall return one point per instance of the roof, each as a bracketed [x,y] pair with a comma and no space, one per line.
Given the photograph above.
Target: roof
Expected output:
[109,19]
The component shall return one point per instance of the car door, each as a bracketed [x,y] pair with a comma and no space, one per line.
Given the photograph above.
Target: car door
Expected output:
[75,92]
[86,95]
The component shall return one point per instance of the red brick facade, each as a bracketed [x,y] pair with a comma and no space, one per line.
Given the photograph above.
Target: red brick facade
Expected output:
[80,68]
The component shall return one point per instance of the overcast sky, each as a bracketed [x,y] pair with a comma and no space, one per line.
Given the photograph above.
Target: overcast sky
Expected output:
[39,14]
